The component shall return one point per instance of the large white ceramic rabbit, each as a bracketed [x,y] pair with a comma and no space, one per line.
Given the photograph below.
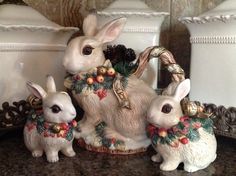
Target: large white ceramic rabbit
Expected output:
[84,54]
[178,138]
[50,131]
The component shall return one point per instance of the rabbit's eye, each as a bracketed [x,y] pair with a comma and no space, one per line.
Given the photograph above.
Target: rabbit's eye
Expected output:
[87,50]
[55,109]
[166,108]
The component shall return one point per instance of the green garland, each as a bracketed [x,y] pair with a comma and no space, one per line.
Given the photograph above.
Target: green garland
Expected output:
[63,130]
[186,130]
[90,82]
[106,142]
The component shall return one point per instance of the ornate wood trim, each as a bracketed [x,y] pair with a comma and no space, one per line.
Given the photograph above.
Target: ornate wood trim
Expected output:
[13,116]
[19,2]
[224,119]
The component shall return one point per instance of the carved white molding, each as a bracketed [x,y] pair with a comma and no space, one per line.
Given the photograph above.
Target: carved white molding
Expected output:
[10,47]
[207,19]
[213,40]
[36,28]
[142,29]
[129,14]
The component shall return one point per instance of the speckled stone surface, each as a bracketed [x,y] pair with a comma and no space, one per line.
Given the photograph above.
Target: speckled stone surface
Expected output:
[16,160]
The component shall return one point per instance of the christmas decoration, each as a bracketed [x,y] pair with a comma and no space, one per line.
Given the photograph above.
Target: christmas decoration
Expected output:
[186,130]
[63,130]
[97,81]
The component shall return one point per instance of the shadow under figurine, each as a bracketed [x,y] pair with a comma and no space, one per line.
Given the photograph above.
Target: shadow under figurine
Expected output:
[50,129]
[177,137]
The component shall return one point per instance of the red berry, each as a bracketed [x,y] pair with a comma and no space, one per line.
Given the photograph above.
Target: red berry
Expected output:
[100,78]
[113,140]
[184,140]
[111,71]
[74,123]
[162,132]
[64,126]
[89,81]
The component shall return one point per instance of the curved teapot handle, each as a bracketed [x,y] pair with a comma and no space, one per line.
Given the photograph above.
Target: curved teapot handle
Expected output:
[166,58]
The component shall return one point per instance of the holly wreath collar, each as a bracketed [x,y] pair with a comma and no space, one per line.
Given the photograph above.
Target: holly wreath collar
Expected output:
[98,81]
[48,129]
[186,130]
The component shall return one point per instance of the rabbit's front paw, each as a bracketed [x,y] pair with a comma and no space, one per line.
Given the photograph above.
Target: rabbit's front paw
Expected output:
[37,153]
[52,159]
[52,156]
[169,166]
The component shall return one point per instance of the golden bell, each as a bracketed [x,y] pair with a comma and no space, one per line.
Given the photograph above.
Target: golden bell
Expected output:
[102,70]
[56,128]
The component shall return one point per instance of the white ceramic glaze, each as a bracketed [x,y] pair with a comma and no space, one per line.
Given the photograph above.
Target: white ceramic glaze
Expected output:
[141,30]
[195,154]
[213,40]
[38,142]
[31,47]
[122,124]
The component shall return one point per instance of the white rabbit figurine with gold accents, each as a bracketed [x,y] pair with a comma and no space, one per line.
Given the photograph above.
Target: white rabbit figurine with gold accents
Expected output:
[52,129]
[178,138]
[109,124]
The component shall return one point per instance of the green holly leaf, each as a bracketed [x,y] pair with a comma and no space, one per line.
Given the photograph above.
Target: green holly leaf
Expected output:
[69,135]
[106,142]
[193,135]
[96,86]
[155,139]
[125,68]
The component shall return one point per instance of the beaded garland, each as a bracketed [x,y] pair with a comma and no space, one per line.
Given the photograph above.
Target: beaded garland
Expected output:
[98,81]
[62,130]
[186,130]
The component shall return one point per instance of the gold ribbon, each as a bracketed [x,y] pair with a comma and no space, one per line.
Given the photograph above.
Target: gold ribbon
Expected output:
[191,108]
[120,93]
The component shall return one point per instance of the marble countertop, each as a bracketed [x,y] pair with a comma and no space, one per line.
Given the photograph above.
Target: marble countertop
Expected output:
[16,160]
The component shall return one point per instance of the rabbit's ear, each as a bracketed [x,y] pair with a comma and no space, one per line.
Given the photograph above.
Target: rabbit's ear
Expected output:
[36,90]
[182,90]
[111,30]
[90,25]
[51,86]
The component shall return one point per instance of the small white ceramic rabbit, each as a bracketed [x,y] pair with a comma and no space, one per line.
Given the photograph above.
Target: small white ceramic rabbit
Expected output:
[174,140]
[52,132]
[85,53]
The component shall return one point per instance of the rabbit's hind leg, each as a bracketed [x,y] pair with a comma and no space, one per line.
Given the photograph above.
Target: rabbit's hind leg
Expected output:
[68,151]
[37,153]
[169,165]
[156,158]
[192,168]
